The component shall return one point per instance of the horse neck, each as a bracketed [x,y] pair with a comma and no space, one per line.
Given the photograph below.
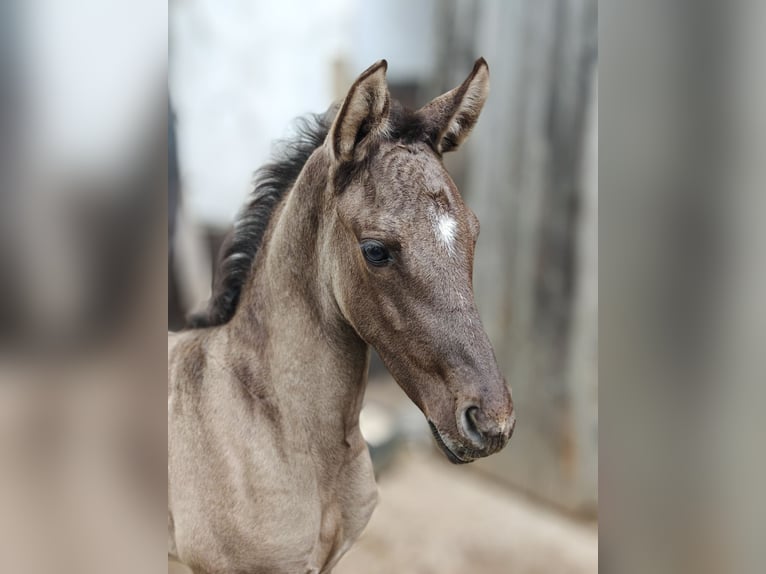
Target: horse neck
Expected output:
[314,361]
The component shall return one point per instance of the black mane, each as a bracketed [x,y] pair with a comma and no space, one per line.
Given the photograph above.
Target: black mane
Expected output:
[270,185]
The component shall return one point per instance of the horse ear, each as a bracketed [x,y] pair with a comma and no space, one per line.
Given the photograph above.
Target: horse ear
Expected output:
[364,111]
[451,117]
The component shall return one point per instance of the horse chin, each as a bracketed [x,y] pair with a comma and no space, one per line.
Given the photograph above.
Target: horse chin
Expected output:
[451,455]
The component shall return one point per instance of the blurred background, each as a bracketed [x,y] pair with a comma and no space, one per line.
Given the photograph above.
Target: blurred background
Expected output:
[241,71]
[85,177]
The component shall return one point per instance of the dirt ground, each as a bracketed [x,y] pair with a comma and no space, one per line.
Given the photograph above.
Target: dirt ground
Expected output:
[435,518]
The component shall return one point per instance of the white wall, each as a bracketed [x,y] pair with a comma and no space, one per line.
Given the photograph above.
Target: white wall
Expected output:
[240,72]
[402,31]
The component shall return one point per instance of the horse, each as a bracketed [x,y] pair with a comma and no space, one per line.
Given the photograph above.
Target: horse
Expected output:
[356,237]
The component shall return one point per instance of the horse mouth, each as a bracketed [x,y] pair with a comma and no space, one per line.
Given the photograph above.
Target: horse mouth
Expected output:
[451,455]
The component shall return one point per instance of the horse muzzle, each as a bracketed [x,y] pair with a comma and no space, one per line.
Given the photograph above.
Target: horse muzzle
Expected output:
[477,438]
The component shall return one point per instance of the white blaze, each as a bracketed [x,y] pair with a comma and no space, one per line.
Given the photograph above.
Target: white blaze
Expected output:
[447,227]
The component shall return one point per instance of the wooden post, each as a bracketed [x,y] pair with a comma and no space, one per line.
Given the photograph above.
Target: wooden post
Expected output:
[532,180]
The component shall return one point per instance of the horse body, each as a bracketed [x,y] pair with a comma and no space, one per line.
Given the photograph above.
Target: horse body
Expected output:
[267,468]
[263,421]
[267,496]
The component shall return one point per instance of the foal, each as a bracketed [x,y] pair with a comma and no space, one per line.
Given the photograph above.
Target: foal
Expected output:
[357,238]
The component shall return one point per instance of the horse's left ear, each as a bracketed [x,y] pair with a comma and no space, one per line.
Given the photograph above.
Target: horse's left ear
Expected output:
[451,117]
[364,111]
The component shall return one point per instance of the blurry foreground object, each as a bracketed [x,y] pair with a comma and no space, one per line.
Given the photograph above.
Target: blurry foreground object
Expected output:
[683,287]
[82,284]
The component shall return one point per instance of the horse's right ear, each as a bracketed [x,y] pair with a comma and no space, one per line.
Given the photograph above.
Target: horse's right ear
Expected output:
[451,117]
[364,111]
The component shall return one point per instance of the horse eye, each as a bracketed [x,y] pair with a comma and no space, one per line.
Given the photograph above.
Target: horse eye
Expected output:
[375,253]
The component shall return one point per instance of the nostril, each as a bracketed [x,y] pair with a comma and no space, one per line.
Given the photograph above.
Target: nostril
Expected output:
[471,413]
[471,426]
